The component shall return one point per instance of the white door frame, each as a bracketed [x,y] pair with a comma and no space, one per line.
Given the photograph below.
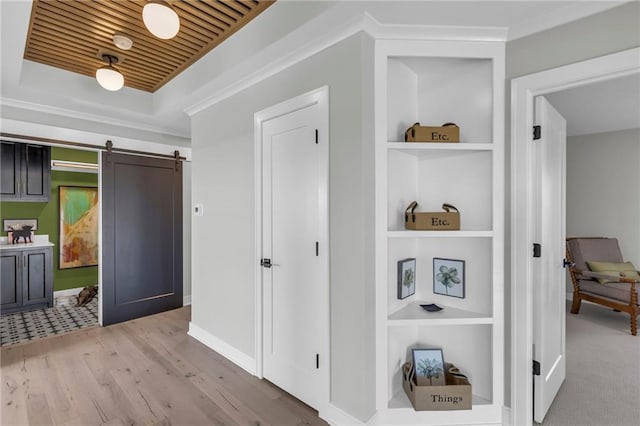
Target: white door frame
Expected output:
[523,91]
[319,97]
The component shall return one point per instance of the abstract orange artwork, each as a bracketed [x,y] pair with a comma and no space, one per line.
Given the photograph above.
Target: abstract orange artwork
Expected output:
[78,226]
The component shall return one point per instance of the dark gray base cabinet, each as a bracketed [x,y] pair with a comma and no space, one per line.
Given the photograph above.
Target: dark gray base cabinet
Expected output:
[26,279]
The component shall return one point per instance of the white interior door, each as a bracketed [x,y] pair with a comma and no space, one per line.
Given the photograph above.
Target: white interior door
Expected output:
[294,285]
[549,303]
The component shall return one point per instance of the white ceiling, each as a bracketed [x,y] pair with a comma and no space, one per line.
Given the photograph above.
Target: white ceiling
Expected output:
[39,92]
[600,107]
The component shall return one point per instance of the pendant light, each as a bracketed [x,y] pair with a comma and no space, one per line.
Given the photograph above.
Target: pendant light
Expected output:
[161,19]
[108,76]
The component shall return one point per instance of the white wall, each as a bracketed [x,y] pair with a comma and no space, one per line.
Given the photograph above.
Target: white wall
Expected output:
[603,188]
[611,31]
[608,32]
[223,239]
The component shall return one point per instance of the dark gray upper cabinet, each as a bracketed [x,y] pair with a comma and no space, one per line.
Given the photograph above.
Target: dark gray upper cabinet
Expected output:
[10,171]
[26,172]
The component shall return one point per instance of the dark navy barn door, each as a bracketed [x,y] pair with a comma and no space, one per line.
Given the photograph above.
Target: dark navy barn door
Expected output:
[142,236]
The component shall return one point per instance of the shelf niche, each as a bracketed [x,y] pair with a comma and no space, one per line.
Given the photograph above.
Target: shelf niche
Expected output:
[434,180]
[434,91]
[468,347]
[476,252]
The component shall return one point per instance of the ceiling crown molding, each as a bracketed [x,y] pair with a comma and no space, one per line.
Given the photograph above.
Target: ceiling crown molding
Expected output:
[102,119]
[24,131]
[321,34]
[380,30]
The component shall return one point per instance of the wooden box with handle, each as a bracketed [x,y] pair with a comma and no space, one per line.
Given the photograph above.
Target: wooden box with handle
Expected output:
[447,133]
[448,220]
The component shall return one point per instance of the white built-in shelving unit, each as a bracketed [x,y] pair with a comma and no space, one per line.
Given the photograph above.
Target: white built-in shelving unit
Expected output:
[434,82]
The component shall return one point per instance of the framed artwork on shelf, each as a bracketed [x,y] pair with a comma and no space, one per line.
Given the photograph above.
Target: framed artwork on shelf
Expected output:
[17,224]
[429,366]
[448,277]
[19,228]
[78,217]
[406,278]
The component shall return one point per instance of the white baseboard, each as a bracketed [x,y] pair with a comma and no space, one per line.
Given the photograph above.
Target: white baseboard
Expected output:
[68,292]
[506,416]
[337,417]
[68,297]
[186,300]
[223,348]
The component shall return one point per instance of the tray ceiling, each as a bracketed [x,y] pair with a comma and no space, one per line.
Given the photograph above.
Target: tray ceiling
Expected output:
[73,35]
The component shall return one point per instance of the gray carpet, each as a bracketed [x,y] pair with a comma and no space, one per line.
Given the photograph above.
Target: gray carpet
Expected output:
[24,326]
[602,387]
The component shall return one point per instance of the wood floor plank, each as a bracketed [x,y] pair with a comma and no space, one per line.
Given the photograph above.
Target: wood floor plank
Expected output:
[182,385]
[152,379]
[100,365]
[92,403]
[259,401]
[14,401]
[38,409]
[166,343]
[167,328]
[32,385]
[144,372]
[59,404]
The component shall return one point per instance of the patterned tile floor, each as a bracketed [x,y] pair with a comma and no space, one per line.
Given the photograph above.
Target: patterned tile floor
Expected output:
[24,326]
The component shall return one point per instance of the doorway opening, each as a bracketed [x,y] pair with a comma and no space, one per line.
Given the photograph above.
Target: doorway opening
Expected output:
[602,153]
[75,221]
[66,230]
[524,90]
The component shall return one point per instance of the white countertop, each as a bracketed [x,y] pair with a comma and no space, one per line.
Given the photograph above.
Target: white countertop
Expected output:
[38,241]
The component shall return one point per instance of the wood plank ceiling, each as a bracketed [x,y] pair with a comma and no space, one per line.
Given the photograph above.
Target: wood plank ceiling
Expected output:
[73,35]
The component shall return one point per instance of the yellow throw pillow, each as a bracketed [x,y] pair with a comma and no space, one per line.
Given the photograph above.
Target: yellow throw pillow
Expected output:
[625,269]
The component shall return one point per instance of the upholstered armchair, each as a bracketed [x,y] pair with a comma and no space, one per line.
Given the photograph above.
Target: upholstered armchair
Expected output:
[600,275]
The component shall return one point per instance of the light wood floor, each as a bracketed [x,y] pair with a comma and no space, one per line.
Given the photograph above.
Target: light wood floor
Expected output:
[145,371]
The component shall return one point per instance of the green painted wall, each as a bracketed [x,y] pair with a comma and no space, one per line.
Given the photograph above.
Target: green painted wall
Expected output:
[47,215]
[74,155]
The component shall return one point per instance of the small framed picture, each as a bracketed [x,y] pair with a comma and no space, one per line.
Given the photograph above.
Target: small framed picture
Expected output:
[429,366]
[406,278]
[17,229]
[448,277]
[18,224]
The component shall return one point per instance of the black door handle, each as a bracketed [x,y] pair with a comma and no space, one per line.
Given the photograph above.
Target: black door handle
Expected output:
[566,263]
[265,262]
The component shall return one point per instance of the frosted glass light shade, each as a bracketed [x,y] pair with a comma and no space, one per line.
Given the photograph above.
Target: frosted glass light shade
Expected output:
[160,19]
[110,78]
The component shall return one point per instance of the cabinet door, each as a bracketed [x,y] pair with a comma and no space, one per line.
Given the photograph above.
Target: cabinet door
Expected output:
[36,173]
[10,170]
[10,280]
[37,278]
